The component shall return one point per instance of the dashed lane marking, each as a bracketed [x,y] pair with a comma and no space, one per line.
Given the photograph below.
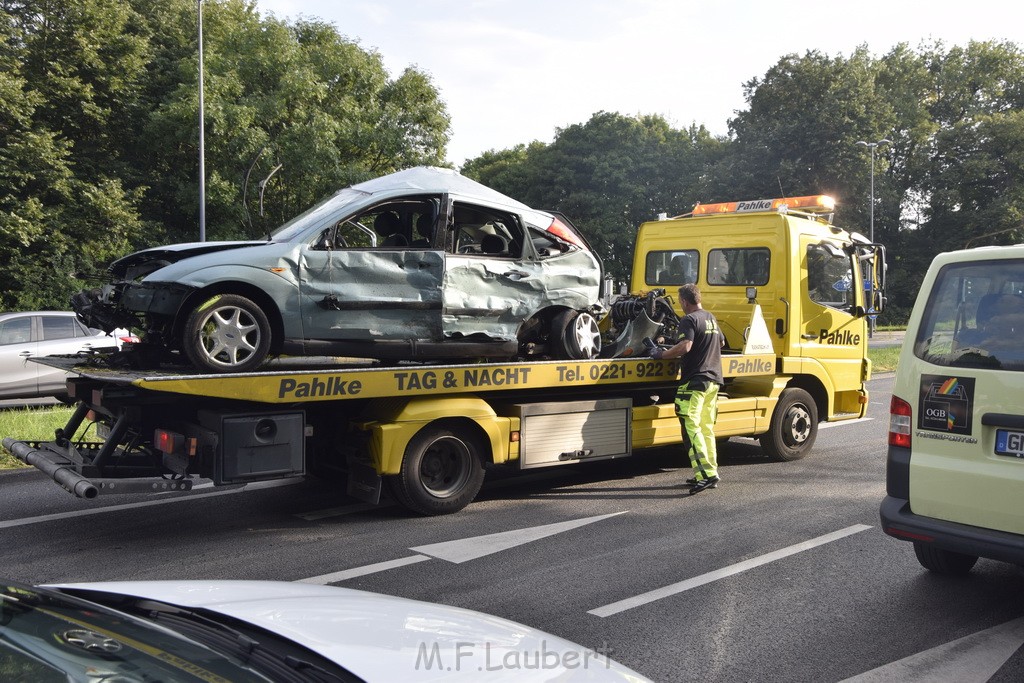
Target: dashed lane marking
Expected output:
[681,586]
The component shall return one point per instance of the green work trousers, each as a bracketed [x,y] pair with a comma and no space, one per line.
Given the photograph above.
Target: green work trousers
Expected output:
[697,409]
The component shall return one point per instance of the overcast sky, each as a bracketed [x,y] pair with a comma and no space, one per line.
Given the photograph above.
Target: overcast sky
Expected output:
[513,71]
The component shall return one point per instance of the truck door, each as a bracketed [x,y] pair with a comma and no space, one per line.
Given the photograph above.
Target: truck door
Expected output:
[831,330]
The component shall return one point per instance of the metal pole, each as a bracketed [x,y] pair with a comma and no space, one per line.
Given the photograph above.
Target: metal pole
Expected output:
[872,233]
[202,135]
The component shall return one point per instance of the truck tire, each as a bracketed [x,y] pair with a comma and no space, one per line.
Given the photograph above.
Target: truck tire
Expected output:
[441,472]
[226,333]
[576,336]
[794,426]
[943,561]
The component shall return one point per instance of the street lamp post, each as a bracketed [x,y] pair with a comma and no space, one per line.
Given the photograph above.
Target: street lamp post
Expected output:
[872,146]
[202,130]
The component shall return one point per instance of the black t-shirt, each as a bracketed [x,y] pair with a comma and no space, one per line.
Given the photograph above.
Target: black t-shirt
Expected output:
[704,359]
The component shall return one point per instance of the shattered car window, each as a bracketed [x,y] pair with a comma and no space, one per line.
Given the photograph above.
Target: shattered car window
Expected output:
[317,215]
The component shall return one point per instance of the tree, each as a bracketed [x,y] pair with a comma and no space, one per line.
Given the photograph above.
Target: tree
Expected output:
[799,134]
[63,95]
[607,175]
[296,96]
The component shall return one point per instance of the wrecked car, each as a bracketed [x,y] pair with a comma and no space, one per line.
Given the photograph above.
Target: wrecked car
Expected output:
[420,264]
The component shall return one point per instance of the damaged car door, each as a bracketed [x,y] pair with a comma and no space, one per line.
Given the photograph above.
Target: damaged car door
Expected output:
[490,287]
[373,281]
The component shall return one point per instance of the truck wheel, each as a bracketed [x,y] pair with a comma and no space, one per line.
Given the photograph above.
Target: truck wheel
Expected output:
[227,333]
[441,472]
[575,336]
[793,428]
[943,561]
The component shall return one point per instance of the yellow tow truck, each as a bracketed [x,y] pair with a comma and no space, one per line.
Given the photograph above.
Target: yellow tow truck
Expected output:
[791,291]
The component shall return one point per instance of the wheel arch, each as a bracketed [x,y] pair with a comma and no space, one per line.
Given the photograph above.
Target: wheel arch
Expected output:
[249,291]
[813,386]
[394,425]
[537,327]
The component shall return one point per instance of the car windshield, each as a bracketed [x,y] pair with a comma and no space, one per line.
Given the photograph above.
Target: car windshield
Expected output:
[46,636]
[975,316]
[321,214]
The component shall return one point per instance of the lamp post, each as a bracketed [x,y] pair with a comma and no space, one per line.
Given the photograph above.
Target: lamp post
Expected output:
[872,146]
[202,130]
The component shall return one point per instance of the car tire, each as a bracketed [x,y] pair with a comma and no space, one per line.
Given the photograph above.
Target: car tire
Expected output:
[793,428]
[943,561]
[575,336]
[227,333]
[442,471]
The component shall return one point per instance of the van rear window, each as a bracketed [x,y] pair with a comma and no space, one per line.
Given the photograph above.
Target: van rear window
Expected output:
[974,317]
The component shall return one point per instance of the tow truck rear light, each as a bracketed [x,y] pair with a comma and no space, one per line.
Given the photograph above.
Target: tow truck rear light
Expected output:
[820,203]
[900,419]
[170,442]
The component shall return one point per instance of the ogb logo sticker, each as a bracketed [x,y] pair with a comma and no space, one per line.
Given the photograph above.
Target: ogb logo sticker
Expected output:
[946,404]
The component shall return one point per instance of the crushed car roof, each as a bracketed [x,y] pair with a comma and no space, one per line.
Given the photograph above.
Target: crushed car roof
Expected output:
[434,179]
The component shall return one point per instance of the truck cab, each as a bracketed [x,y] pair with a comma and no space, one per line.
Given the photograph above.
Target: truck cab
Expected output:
[815,283]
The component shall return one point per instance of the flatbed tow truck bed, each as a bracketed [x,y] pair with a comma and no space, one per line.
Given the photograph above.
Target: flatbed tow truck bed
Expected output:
[156,430]
[296,380]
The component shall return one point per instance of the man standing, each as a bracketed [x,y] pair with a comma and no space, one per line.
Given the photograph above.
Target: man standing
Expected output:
[700,347]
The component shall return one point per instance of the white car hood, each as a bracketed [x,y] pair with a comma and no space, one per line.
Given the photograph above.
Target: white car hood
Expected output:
[384,638]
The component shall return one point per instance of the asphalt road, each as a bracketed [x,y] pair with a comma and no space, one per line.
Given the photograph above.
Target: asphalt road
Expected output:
[781,574]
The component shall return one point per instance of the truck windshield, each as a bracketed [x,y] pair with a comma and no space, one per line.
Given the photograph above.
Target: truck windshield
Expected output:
[975,316]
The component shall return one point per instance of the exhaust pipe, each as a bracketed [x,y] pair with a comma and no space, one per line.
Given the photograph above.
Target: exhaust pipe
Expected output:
[69,480]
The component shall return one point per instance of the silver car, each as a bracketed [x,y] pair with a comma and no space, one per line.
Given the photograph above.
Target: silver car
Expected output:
[423,263]
[33,334]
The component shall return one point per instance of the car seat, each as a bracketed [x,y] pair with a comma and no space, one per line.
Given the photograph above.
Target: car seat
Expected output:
[492,244]
[389,226]
[425,230]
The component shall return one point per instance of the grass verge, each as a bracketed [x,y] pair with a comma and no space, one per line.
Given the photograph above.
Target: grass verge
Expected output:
[885,359]
[29,424]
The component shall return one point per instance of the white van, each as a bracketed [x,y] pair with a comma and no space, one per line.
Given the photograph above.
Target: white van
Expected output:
[955,471]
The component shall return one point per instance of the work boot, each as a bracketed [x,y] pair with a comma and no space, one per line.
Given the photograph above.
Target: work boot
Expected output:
[693,480]
[710,483]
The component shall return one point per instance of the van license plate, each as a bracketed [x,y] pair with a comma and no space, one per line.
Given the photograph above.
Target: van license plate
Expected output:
[1009,443]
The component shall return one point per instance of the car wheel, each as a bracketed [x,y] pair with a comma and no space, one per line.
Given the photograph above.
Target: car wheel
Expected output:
[793,428]
[441,472]
[576,336]
[227,333]
[943,561]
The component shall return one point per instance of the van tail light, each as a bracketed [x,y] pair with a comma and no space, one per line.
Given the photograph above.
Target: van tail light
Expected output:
[900,419]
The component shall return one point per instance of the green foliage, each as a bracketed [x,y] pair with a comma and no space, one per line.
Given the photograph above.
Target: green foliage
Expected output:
[950,177]
[99,139]
[29,424]
[607,175]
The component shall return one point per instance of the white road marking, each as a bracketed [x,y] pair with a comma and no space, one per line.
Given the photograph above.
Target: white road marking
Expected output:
[464,549]
[681,586]
[364,570]
[971,659]
[254,486]
[843,423]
